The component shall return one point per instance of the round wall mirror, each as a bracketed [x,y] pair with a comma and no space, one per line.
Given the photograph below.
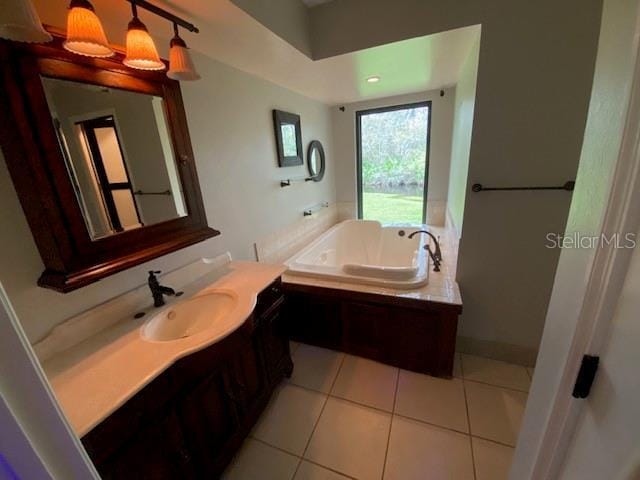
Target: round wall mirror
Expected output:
[315,161]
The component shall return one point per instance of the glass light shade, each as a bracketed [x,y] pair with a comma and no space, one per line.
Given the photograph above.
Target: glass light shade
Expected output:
[85,35]
[180,64]
[141,51]
[19,22]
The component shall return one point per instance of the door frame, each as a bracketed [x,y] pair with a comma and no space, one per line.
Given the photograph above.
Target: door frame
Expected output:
[46,433]
[605,275]
[88,128]
[404,106]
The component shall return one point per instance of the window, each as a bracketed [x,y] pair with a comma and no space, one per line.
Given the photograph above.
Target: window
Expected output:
[393,163]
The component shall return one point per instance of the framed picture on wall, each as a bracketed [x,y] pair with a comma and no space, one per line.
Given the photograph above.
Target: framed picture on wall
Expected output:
[288,138]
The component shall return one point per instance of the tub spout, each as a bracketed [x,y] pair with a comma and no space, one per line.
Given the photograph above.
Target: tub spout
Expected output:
[436,254]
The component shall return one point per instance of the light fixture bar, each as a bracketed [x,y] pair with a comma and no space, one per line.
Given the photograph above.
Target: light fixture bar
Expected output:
[163,13]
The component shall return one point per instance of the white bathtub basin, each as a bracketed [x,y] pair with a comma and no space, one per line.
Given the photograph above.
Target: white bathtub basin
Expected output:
[363,251]
[189,317]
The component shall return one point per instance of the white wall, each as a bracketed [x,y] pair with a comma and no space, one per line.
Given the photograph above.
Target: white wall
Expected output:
[464,106]
[607,112]
[229,118]
[344,141]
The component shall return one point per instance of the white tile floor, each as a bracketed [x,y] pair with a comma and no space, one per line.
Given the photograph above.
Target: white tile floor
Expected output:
[344,417]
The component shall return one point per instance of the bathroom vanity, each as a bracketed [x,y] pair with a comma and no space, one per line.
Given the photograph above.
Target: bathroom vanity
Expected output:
[176,408]
[189,421]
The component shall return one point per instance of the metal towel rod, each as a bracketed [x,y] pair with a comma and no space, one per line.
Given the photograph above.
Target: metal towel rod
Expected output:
[164,192]
[316,208]
[568,186]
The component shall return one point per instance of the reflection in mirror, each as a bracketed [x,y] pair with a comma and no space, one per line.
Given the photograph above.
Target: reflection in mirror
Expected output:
[315,161]
[119,155]
[289,145]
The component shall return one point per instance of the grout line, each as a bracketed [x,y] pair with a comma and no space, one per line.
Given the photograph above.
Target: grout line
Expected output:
[393,409]
[299,457]
[494,385]
[394,414]
[315,425]
[275,447]
[466,404]
[328,468]
[493,441]
[386,412]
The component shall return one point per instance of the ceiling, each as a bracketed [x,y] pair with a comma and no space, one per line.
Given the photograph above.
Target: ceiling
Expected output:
[231,36]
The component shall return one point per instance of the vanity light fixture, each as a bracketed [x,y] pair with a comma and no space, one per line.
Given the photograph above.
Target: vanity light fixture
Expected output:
[141,51]
[180,64]
[85,35]
[373,79]
[19,22]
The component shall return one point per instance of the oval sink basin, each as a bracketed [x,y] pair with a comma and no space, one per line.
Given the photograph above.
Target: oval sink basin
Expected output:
[189,317]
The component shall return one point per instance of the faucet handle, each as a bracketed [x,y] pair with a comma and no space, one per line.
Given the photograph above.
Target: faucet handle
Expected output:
[155,272]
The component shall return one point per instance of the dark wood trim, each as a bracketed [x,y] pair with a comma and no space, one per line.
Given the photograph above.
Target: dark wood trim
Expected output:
[406,333]
[38,169]
[406,106]
[65,282]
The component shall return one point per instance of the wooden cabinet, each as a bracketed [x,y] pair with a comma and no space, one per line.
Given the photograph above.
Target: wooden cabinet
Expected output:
[407,333]
[158,452]
[314,319]
[210,416]
[190,421]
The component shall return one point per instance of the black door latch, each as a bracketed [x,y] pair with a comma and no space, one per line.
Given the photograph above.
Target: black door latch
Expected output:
[586,374]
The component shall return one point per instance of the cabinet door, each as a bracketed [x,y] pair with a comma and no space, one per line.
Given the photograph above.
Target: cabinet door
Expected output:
[412,340]
[157,452]
[249,377]
[365,328]
[314,319]
[276,344]
[209,417]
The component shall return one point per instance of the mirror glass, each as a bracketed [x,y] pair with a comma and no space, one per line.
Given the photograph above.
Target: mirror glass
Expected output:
[119,155]
[289,145]
[315,160]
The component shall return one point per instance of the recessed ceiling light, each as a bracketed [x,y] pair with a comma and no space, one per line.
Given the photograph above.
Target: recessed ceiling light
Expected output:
[373,79]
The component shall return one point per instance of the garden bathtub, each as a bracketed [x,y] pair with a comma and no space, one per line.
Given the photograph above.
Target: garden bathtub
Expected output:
[363,251]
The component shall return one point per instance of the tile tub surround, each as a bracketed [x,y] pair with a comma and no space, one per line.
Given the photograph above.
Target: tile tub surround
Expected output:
[95,377]
[376,421]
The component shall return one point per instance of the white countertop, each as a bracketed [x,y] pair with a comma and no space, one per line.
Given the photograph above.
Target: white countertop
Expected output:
[95,377]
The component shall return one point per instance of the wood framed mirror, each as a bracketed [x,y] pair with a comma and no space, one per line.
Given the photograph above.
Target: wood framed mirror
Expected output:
[288,138]
[101,159]
[316,161]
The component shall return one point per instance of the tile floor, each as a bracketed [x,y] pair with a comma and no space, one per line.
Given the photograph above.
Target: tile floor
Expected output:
[344,417]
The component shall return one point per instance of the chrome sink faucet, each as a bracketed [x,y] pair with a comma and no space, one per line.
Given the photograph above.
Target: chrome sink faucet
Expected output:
[159,291]
[436,254]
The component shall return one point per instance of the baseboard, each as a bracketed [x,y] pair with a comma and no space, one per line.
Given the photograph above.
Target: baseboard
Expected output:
[497,350]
